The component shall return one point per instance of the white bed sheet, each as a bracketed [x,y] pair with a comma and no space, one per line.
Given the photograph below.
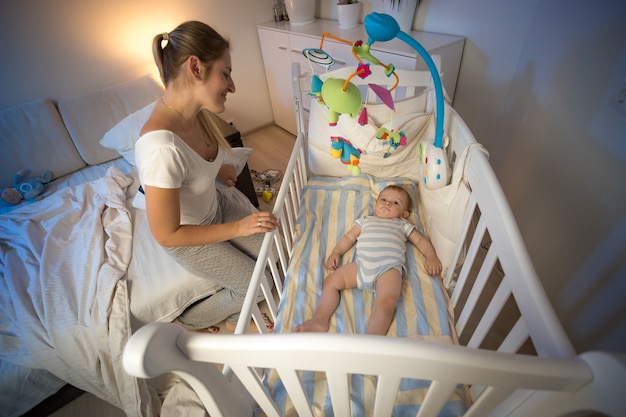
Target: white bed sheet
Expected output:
[159,288]
[64,301]
[149,286]
[22,387]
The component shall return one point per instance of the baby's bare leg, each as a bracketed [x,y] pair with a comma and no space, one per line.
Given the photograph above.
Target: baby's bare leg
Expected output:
[342,278]
[388,289]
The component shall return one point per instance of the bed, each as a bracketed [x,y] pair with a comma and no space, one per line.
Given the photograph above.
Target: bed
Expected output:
[79,270]
[481,340]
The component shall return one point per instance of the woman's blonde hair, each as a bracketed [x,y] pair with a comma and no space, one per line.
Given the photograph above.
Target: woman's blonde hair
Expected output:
[171,50]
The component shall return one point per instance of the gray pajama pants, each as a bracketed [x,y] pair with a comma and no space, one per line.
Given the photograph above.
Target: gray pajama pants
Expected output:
[229,264]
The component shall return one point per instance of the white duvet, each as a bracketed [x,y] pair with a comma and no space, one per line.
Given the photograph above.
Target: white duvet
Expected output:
[63,303]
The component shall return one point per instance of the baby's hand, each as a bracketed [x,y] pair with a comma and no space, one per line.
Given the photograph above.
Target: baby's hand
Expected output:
[332,262]
[433,266]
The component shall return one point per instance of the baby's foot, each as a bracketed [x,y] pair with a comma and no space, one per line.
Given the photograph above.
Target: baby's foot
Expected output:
[312,326]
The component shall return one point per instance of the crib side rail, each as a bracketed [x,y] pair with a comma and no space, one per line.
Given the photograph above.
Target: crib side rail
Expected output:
[516,382]
[497,263]
[277,246]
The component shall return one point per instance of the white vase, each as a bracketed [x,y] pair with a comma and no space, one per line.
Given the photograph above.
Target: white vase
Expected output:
[300,12]
[348,15]
[402,10]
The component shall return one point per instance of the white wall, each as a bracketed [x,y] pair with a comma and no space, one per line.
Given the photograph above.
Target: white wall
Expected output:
[65,47]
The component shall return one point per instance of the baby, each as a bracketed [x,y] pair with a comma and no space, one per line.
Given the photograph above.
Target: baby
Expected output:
[379,263]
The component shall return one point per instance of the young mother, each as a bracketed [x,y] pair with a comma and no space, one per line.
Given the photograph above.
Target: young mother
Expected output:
[179,156]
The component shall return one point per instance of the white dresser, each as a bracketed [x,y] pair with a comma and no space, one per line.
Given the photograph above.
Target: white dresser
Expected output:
[282,43]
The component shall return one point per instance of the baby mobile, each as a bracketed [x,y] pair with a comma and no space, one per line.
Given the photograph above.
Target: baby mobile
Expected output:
[341,96]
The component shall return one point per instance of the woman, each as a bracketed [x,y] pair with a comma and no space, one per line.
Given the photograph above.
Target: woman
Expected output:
[180,155]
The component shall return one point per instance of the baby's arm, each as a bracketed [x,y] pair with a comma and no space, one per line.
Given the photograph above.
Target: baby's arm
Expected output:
[432,264]
[344,244]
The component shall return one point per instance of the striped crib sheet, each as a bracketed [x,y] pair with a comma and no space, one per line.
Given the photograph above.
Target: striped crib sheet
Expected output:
[330,205]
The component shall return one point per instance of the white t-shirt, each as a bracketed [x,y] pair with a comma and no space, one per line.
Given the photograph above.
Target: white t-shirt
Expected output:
[164,160]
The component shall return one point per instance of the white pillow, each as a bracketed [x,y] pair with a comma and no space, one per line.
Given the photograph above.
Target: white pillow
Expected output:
[238,159]
[122,136]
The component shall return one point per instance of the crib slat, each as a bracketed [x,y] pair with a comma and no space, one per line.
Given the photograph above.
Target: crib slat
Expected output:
[269,297]
[515,338]
[477,289]
[386,394]
[282,262]
[496,304]
[254,385]
[291,214]
[476,391]
[438,394]
[301,173]
[257,316]
[339,389]
[289,217]
[485,403]
[296,393]
[286,231]
[511,344]
[472,251]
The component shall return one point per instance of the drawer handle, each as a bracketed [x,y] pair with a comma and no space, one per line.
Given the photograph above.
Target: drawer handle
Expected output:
[282,48]
[299,52]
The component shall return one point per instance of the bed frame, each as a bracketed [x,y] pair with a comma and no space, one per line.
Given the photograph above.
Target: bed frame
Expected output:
[520,367]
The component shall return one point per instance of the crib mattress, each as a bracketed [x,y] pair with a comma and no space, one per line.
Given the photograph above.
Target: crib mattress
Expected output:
[329,207]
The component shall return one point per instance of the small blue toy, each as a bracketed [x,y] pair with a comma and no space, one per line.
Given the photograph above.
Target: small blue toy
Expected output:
[25,189]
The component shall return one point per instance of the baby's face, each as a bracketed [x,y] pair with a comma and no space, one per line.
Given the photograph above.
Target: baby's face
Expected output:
[391,204]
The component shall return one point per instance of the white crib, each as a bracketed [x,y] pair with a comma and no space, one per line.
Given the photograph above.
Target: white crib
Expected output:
[520,367]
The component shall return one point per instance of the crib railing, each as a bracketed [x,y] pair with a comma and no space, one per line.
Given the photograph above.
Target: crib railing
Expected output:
[277,246]
[493,247]
[518,385]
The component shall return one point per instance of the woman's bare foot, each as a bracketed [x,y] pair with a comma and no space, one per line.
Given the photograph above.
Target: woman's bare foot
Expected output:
[210,329]
[230,327]
[312,326]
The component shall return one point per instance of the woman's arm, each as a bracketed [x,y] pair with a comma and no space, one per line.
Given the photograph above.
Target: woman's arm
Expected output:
[163,210]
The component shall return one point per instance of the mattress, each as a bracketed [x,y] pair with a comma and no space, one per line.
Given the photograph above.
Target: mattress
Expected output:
[328,210]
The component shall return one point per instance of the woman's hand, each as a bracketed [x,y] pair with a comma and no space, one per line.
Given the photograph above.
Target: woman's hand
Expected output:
[261,222]
[228,175]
